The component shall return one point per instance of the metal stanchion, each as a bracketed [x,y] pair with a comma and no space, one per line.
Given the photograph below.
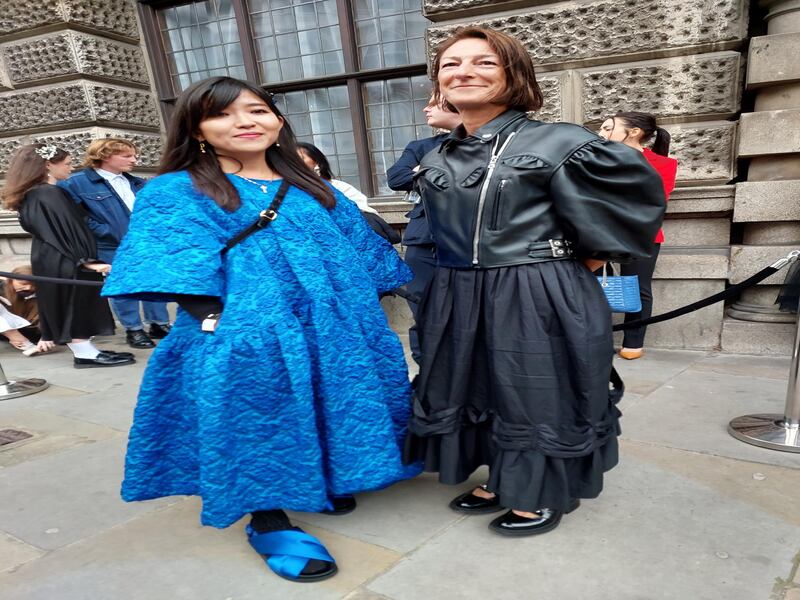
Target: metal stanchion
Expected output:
[23,387]
[777,432]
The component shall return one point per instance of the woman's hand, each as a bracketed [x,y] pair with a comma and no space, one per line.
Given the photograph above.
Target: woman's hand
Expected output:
[98,267]
[593,264]
[45,345]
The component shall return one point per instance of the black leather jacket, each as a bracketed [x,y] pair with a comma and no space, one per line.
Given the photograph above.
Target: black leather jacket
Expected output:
[492,196]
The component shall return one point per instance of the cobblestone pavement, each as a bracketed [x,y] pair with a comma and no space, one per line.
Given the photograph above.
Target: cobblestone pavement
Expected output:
[689,514]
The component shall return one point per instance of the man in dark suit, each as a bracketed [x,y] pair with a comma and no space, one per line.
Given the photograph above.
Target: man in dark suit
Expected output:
[420,252]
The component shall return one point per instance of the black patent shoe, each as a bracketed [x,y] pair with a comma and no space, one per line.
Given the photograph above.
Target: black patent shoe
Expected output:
[126,354]
[137,338]
[471,504]
[513,524]
[342,505]
[159,332]
[104,359]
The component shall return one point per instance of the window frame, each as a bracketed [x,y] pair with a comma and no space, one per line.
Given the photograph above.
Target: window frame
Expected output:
[352,77]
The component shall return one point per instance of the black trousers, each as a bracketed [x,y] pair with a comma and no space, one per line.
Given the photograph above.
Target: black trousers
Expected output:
[634,338]
[422,260]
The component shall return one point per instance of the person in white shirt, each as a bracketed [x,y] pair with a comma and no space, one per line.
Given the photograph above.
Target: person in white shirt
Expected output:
[107,192]
[316,159]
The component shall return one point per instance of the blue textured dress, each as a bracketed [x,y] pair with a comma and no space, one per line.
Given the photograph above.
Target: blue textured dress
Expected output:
[302,392]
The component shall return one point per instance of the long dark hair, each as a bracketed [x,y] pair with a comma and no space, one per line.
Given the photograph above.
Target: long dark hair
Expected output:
[27,169]
[318,157]
[647,123]
[182,152]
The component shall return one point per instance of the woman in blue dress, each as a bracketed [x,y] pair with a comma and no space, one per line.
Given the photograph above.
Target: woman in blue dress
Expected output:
[281,385]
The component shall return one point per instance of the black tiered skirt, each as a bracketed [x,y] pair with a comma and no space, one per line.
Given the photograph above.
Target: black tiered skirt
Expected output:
[515,371]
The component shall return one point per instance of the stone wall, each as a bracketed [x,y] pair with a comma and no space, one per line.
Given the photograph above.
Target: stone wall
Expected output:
[71,71]
[684,61]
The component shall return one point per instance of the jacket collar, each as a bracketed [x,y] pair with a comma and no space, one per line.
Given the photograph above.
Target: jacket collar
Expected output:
[487,132]
[95,177]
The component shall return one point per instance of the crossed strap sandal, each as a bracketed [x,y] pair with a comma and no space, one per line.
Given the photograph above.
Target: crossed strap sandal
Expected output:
[287,552]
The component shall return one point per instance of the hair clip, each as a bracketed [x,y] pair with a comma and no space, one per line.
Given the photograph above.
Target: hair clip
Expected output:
[46,152]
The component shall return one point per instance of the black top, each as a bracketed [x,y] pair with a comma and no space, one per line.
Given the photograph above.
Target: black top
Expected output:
[515,183]
[62,243]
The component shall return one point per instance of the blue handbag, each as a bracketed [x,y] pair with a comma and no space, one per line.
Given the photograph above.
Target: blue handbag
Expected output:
[622,291]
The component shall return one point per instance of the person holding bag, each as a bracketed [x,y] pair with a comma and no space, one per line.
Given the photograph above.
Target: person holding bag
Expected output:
[281,385]
[635,129]
[514,330]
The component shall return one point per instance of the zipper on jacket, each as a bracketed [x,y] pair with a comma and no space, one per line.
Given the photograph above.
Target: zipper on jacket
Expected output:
[497,202]
[484,189]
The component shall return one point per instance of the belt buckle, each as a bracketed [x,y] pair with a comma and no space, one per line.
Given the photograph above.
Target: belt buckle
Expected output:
[558,248]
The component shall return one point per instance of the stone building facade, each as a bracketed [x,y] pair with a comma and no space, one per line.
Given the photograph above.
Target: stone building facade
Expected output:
[721,75]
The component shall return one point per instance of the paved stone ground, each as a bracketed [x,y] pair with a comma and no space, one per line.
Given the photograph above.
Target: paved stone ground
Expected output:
[689,514]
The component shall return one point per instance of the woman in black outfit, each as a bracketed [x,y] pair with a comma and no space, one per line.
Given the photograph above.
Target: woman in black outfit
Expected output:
[515,331]
[62,247]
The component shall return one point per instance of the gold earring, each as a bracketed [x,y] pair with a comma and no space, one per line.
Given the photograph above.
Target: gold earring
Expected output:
[203,147]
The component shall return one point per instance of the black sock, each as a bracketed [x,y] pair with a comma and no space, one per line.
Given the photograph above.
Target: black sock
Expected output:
[270,520]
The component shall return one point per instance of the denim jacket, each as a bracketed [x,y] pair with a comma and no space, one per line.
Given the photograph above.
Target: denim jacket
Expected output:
[108,216]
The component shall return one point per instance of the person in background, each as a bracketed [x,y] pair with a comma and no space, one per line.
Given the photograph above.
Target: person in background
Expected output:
[62,247]
[420,252]
[21,317]
[316,160]
[635,129]
[107,191]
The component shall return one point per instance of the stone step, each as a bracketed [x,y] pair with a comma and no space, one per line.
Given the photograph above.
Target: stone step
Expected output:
[750,337]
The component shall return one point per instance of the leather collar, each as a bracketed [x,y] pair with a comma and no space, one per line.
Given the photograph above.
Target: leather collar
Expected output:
[487,132]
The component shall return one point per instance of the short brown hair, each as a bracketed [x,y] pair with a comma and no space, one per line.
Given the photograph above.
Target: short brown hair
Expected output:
[522,90]
[103,149]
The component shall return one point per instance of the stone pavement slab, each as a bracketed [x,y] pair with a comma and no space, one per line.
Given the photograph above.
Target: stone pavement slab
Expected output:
[651,535]
[54,501]
[14,552]
[644,376]
[693,409]
[168,555]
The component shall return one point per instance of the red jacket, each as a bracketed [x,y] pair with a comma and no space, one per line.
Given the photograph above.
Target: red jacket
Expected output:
[668,169]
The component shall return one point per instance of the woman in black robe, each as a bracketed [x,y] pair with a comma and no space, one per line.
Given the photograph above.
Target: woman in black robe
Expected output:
[63,247]
[514,329]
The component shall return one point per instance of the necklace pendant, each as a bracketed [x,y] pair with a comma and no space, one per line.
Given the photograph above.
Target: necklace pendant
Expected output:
[264,189]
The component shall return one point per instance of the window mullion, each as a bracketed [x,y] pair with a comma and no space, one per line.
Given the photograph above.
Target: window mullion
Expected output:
[246,41]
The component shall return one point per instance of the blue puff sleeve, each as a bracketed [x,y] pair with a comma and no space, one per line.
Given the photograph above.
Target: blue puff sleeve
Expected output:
[172,246]
[378,257]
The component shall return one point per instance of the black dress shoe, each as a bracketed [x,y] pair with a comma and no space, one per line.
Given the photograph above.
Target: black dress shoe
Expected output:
[513,524]
[158,332]
[103,359]
[127,354]
[137,338]
[471,504]
[341,506]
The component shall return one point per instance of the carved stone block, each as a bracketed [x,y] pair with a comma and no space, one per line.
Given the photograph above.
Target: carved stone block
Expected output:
[116,16]
[692,263]
[7,148]
[44,107]
[73,103]
[107,58]
[711,199]
[19,15]
[701,329]
[748,337]
[706,151]
[118,105]
[40,58]
[571,31]
[552,109]
[699,85]
[697,232]
[75,142]
[767,201]
[749,260]
[773,59]
[769,132]
[67,52]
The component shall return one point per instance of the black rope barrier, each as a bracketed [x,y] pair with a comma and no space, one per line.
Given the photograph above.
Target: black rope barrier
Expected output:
[415,298]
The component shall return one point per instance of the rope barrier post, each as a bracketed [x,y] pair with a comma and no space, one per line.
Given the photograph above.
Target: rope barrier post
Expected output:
[23,387]
[773,431]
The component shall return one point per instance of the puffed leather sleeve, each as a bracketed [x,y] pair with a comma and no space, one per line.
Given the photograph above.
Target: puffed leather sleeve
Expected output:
[610,201]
